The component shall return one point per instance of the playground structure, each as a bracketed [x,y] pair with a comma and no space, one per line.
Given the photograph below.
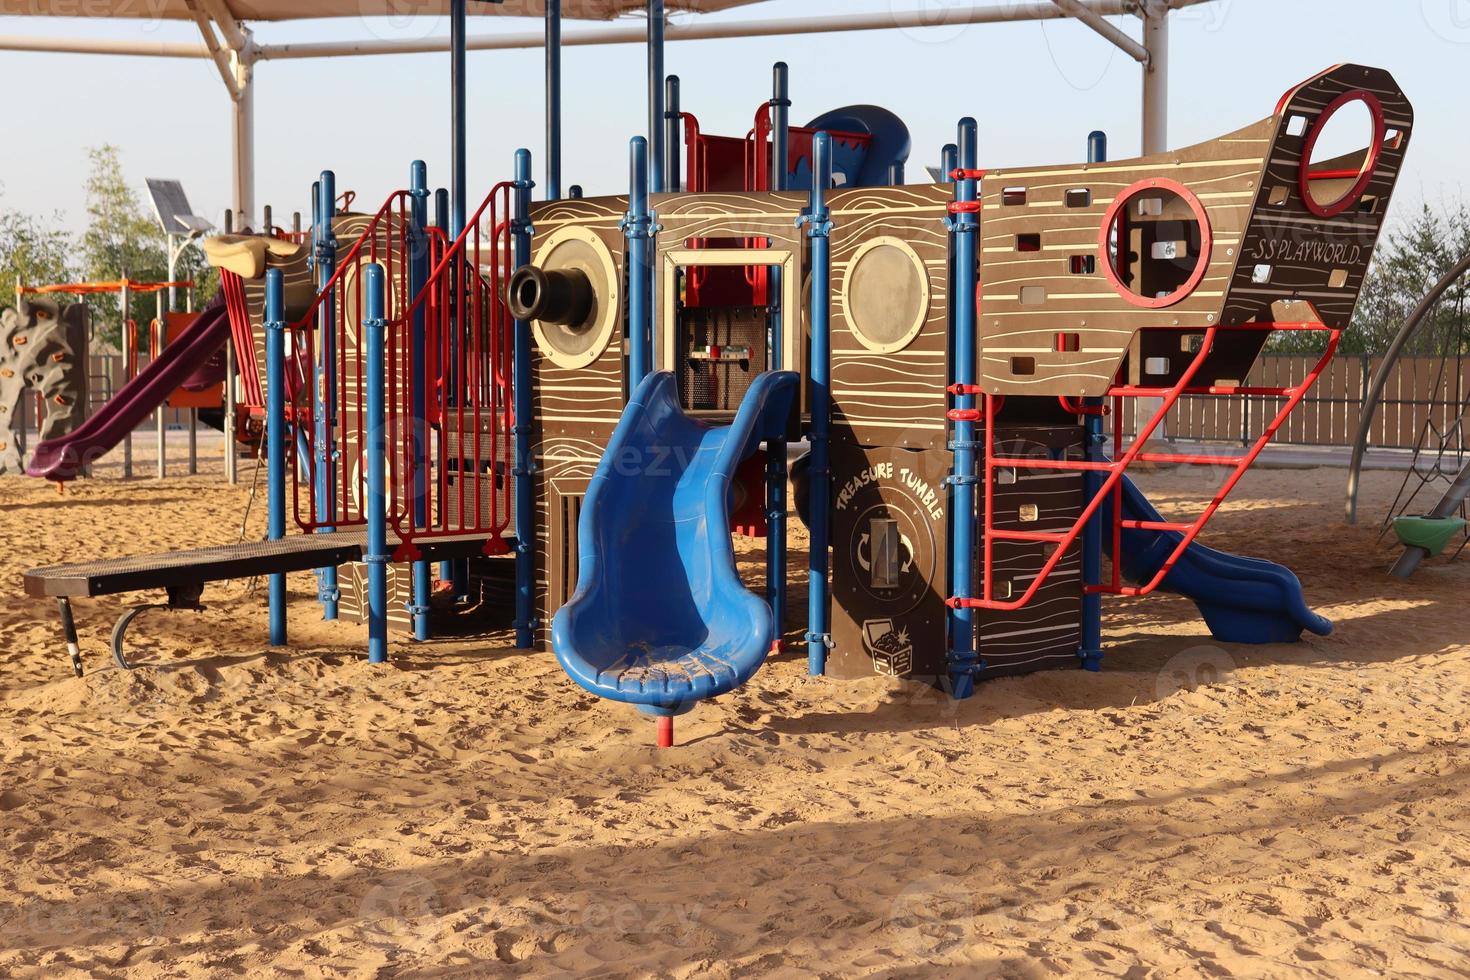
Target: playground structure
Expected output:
[187,375]
[578,387]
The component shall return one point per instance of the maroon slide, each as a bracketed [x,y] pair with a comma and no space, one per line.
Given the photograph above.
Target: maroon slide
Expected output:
[64,458]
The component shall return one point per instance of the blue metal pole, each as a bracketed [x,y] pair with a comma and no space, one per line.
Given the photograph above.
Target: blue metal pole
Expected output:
[525,463]
[275,438]
[1091,652]
[656,95]
[458,112]
[419,381]
[324,242]
[441,221]
[780,124]
[673,134]
[776,448]
[441,209]
[819,228]
[376,555]
[638,226]
[553,99]
[963,660]
[949,158]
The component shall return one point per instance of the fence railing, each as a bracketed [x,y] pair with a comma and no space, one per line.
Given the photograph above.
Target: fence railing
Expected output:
[1423,394]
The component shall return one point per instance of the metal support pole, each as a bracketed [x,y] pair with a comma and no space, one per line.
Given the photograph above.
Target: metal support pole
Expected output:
[458,114]
[459,573]
[963,660]
[69,633]
[1094,438]
[776,448]
[275,439]
[819,227]
[525,463]
[656,95]
[553,99]
[441,209]
[193,442]
[780,124]
[160,422]
[639,228]
[244,136]
[673,133]
[324,242]
[232,458]
[376,555]
[1155,16]
[129,342]
[419,383]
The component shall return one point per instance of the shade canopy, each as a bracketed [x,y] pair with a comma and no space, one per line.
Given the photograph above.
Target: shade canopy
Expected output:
[261,10]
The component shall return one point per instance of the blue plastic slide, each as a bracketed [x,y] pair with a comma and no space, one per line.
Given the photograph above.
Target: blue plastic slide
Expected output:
[1243,600]
[660,618]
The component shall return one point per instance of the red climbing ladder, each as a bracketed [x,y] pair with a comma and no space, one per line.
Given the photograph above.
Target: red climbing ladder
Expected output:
[1122,460]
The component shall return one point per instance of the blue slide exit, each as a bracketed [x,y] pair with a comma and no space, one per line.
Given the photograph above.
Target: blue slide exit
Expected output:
[1243,600]
[660,618]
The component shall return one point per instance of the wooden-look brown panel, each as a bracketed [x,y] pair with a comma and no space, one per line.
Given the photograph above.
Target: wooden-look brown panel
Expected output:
[574,411]
[1040,225]
[884,396]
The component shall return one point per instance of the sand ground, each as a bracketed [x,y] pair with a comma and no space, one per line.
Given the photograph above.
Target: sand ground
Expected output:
[1193,810]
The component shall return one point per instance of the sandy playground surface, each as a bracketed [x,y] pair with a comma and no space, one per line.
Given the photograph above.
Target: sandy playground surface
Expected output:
[1194,810]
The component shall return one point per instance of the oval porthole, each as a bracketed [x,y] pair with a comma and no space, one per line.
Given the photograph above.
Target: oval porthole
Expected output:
[1155,244]
[1340,153]
[885,294]
[576,345]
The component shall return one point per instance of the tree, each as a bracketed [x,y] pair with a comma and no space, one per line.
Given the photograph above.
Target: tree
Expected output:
[1408,262]
[121,242]
[33,251]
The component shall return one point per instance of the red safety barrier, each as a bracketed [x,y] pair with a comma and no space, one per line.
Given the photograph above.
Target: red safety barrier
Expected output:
[450,474]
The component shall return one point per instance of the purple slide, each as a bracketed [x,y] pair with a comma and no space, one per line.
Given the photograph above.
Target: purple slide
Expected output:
[63,459]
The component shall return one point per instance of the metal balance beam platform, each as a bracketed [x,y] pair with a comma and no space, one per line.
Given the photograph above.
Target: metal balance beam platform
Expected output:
[184,574]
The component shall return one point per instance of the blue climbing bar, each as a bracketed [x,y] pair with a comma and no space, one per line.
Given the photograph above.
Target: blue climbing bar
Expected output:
[421,384]
[275,439]
[553,100]
[673,135]
[376,555]
[819,229]
[656,95]
[324,254]
[776,448]
[523,410]
[638,226]
[964,225]
[1091,651]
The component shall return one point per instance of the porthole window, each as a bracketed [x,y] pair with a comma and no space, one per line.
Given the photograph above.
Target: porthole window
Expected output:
[1155,243]
[1341,152]
[885,295]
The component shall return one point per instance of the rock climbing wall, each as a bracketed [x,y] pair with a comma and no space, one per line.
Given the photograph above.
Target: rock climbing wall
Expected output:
[43,350]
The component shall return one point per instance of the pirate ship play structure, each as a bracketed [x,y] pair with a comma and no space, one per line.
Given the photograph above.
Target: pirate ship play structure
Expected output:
[596,392]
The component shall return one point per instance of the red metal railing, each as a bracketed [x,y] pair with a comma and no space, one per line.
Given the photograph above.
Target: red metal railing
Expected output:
[449,475]
[1119,465]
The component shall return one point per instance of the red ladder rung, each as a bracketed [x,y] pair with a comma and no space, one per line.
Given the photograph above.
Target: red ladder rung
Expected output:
[1188,459]
[1044,537]
[1157,526]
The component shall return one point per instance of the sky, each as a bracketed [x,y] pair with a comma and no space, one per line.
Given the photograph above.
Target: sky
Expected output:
[1036,89]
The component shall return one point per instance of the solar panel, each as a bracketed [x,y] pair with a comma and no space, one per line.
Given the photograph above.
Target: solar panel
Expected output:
[172,208]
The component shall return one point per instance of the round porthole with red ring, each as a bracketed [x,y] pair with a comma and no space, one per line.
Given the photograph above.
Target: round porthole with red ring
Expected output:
[1155,243]
[1334,172]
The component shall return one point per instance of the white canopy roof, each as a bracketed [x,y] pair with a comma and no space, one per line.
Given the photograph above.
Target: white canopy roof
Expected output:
[261,10]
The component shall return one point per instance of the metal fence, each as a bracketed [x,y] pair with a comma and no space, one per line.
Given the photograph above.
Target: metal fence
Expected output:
[1425,399]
